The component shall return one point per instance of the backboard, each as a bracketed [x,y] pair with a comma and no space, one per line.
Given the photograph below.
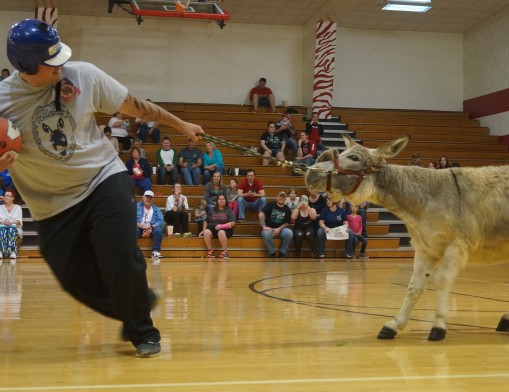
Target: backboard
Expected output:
[168,9]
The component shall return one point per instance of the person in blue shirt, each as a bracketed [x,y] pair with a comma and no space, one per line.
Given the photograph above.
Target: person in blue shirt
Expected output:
[212,162]
[150,222]
[330,217]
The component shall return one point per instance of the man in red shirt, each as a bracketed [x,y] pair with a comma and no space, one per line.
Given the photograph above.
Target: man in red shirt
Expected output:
[251,194]
[262,96]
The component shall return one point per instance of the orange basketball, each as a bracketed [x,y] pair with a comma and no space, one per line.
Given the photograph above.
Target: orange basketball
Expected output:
[10,137]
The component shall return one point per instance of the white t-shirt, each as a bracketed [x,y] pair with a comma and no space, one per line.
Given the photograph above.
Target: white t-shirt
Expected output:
[65,155]
[117,131]
[167,156]
[171,201]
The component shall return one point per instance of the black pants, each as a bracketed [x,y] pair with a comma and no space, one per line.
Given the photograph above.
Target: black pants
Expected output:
[177,219]
[301,233]
[92,250]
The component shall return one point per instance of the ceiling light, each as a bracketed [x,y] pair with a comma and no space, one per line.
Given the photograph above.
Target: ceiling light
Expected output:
[408,5]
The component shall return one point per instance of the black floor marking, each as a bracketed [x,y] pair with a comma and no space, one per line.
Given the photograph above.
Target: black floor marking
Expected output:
[265,293]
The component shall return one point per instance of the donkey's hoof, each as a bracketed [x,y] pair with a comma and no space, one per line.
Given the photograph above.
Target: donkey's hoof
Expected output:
[387,333]
[503,325]
[437,334]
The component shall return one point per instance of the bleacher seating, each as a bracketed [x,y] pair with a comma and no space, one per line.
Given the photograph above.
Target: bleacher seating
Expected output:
[433,133]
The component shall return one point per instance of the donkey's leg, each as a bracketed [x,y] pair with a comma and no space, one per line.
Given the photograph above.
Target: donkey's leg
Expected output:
[420,275]
[455,258]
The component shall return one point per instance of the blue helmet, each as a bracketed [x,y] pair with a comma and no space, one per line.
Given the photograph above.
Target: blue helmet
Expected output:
[33,42]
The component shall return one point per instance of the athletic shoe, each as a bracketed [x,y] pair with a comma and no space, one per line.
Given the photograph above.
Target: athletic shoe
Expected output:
[176,234]
[148,349]
[13,255]
[272,255]
[240,220]
[156,254]
[350,256]
[224,254]
[282,255]
[1,255]
[363,256]
[210,254]
[188,234]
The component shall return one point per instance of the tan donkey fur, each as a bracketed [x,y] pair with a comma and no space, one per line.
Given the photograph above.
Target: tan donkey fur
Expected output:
[454,216]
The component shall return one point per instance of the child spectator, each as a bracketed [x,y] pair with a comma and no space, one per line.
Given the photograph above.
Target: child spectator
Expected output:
[232,196]
[200,214]
[355,223]
[292,201]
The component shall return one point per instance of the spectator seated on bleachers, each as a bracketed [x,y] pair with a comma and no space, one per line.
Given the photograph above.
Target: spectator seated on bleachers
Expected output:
[275,218]
[287,131]
[176,214]
[113,140]
[261,95]
[212,162]
[272,144]
[167,160]
[150,222]
[11,223]
[139,170]
[251,194]
[305,226]
[148,128]
[190,162]
[315,131]
[119,130]
[306,151]
[355,223]
[213,189]
[219,224]
[137,143]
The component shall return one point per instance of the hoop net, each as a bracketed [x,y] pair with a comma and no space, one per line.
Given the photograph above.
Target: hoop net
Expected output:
[182,5]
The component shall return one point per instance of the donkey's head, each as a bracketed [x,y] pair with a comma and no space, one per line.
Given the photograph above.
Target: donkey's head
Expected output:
[341,175]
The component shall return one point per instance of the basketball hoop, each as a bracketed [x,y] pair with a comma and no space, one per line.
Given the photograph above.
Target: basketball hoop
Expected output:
[182,5]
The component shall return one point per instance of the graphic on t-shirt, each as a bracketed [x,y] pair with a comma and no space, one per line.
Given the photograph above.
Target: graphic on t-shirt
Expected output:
[278,217]
[53,131]
[68,91]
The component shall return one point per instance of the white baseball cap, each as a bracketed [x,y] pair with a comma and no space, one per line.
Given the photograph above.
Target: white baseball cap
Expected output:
[149,193]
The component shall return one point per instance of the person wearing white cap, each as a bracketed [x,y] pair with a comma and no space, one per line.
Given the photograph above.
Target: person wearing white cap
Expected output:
[150,222]
[72,179]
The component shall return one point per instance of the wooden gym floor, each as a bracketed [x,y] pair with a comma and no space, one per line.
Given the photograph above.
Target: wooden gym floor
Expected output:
[258,326]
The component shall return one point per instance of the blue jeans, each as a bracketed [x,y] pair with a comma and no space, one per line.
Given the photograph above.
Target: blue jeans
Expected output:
[143,132]
[286,236]
[258,204]
[307,161]
[322,238]
[290,142]
[144,183]
[162,173]
[156,235]
[362,239]
[191,176]
[207,174]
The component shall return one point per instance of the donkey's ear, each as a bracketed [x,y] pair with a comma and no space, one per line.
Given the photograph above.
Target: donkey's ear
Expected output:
[349,142]
[391,149]
[329,155]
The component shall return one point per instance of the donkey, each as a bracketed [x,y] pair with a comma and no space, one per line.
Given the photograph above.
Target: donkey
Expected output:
[454,216]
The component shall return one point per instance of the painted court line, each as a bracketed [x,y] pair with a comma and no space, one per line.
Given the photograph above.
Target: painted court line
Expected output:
[260,382]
